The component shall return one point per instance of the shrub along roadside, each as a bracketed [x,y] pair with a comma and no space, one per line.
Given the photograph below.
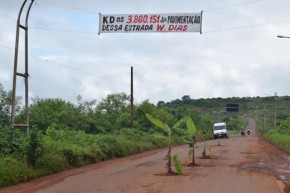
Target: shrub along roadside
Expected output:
[14,170]
[61,149]
[282,141]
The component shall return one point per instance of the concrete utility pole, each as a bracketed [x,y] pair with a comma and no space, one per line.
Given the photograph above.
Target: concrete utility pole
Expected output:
[25,75]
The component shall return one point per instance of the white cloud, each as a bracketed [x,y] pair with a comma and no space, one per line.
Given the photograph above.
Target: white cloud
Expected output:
[239,62]
[4,76]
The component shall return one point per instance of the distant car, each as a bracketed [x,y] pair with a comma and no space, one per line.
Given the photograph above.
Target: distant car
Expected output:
[220,130]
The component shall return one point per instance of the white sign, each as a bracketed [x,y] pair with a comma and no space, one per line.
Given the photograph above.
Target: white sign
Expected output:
[135,23]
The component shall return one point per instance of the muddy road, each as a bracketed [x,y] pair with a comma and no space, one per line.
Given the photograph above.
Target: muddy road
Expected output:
[238,165]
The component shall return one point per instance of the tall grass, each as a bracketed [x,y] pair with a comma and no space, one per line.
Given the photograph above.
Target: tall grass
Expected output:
[62,149]
[14,170]
[278,139]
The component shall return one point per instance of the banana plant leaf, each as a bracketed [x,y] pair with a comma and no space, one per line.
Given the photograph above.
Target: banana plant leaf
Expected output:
[190,126]
[158,123]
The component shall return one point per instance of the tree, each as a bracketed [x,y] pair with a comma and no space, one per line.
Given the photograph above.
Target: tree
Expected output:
[185,98]
[114,103]
[5,106]
[45,112]
[160,104]
[85,107]
[111,108]
[141,110]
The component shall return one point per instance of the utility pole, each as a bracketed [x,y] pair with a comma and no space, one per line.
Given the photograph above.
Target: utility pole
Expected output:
[265,119]
[275,125]
[25,75]
[219,112]
[132,101]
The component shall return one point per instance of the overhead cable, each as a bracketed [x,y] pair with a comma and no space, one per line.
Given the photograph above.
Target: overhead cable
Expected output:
[247,26]
[231,6]
[69,6]
[65,66]
[207,10]
[212,31]
[63,30]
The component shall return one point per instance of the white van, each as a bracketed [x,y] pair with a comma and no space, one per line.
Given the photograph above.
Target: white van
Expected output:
[220,130]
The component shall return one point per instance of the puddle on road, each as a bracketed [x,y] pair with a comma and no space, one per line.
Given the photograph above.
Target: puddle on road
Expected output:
[146,164]
[248,152]
[287,190]
[281,171]
[256,166]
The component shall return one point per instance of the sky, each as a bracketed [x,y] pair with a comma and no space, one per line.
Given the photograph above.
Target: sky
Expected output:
[238,53]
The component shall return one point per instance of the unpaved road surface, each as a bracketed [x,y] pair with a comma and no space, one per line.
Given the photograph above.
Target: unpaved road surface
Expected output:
[238,165]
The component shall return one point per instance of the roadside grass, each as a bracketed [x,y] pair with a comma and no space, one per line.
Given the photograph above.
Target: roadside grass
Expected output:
[14,170]
[60,150]
[282,141]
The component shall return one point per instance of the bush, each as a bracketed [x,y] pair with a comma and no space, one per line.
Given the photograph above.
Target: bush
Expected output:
[12,141]
[130,134]
[53,162]
[34,147]
[71,156]
[158,140]
[60,149]
[109,146]
[92,155]
[13,171]
[128,146]
[284,127]
[280,140]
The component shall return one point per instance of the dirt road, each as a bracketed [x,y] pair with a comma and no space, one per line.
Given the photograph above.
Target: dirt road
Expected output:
[238,165]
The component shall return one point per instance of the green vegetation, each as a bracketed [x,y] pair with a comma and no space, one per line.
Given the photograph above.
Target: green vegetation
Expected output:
[192,133]
[261,108]
[64,135]
[178,165]
[27,157]
[280,136]
[280,140]
[169,131]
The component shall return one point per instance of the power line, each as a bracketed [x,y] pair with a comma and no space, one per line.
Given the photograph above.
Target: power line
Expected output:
[234,5]
[215,9]
[6,47]
[208,10]
[247,26]
[69,6]
[65,66]
[63,30]
[218,30]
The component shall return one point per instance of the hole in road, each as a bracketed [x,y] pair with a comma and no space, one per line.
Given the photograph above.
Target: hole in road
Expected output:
[287,190]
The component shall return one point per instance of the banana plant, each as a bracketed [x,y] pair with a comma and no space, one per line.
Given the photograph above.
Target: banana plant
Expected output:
[202,135]
[168,130]
[192,131]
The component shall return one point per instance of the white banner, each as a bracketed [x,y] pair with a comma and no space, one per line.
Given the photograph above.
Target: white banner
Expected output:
[135,23]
